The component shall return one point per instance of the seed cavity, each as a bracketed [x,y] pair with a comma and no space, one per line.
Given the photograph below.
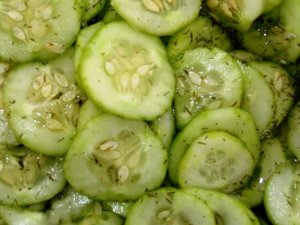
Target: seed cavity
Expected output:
[54,124]
[110,67]
[278,81]
[109,145]
[61,79]
[151,5]
[123,174]
[46,90]
[15,15]
[18,33]
[163,215]
[195,78]
[55,47]
[47,13]
[4,67]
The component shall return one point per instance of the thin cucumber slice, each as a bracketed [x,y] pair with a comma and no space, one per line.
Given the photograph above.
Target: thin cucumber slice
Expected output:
[233,120]
[169,206]
[32,30]
[19,216]
[115,159]
[207,78]
[259,100]
[216,160]
[43,103]
[131,70]
[158,17]
[282,85]
[200,33]
[272,156]
[281,199]
[163,126]
[271,41]
[236,14]
[28,178]
[293,130]
[227,210]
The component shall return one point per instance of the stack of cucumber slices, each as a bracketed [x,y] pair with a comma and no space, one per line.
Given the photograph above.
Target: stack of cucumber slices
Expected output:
[143,112]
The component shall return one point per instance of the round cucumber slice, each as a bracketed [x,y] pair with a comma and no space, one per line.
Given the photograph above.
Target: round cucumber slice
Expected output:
[207,78]
[131,70]
[169,206]
[32,30]
[43,103]
[115,159]
[281,198]
[216,160]
[227,210]
[158,17]
[233,120]
[28,178]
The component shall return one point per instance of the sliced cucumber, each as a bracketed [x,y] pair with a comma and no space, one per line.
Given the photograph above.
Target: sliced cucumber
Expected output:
[28,178]
[272,156]
[159,17]
[227,210]
[259,100]
[131,70]
[271,41]
[200,33]
[169,206]
[32,30]
[238,14]
[207,78]
[281,198]
[43,103]
[233,120]
[115,159]
[216,160]
[19,216]
[282,85]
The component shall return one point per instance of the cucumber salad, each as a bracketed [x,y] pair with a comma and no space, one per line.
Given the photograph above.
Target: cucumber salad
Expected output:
[149,112]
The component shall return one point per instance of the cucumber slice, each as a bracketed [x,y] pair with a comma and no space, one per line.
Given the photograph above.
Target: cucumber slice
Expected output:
[259,100]
[169,206]
[238,14]
[233,120]
[207,78]
[271,41]
[216,160]
[32,30]
[115,159]
[293,130]
[158,17]
[130,70]
[272,156]
[28,178]
[227,210]
[19,216]
[201,33]
[281,198]
[282,85]
[43,103]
